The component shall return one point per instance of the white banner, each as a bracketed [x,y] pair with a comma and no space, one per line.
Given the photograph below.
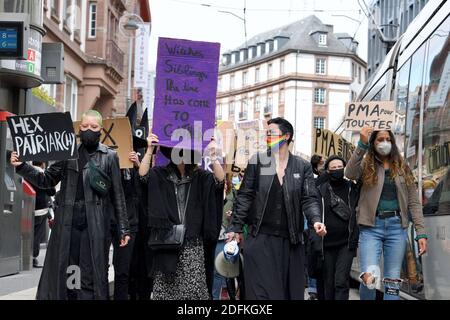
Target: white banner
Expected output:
[148,93]
[141,56]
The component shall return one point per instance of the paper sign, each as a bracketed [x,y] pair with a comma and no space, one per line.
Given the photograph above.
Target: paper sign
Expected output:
[251,139]
[327,143]
[43,137]
[375,114]
[116,134]
[226,142]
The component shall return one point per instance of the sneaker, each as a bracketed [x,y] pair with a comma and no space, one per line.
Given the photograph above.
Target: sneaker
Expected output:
[36,263]
[312,296]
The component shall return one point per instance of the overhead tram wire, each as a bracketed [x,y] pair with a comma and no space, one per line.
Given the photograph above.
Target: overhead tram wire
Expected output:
[260,9]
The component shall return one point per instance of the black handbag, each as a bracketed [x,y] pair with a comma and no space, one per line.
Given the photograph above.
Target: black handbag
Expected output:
[169,240]
[338,206]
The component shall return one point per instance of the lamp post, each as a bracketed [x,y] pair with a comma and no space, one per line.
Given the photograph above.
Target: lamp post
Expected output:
[129,24]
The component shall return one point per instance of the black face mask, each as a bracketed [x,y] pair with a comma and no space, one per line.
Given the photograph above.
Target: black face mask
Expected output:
[90,138]
[336,175]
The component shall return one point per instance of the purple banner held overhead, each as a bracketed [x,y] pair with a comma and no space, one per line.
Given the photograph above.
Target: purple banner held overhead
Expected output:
[185,93]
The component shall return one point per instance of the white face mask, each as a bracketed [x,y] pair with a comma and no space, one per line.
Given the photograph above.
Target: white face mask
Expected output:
[384,148]
[428,193]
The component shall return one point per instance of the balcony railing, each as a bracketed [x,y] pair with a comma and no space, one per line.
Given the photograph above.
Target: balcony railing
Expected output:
[114,55]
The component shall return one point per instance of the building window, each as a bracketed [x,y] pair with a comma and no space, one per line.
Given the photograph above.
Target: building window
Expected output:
[257,75]
[231,111]
[281,96]
[232,81]
[219,111]
[319,95]
[269,71]
[257,103]
[219,84]
[281,67]
[92,20]
[244,78]
[67,15]
[319,122]
[113,28]
[54,7]
[70,96]
[322,39]
[359,75]
[321,66]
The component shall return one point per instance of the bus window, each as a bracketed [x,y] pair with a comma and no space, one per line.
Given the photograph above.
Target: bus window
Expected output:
[436,126]
[413,109]
[412,269]
[401,106]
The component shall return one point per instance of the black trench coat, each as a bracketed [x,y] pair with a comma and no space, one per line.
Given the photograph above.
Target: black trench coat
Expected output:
[52,284]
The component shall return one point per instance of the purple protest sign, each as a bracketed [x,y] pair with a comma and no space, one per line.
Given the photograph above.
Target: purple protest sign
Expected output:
[185,92]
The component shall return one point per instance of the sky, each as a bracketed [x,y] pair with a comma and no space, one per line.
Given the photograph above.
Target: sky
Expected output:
[201,20]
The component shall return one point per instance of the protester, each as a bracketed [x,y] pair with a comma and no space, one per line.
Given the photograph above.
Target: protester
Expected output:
[42,213]
[79,237]
[339,200]
[277,188]
[122,255]
[229,195]
[184,194]
[383,224]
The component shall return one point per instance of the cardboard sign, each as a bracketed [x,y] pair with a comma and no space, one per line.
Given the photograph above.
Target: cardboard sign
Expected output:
[251,138]
[327,143]
[376,114]
[226,142]
[185,93]
[43,137]
[116,134]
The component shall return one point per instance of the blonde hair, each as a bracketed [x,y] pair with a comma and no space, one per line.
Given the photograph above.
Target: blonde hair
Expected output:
[95,114]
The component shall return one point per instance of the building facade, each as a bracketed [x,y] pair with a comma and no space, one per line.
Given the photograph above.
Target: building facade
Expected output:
[303,72]
[389,19]
[96,53]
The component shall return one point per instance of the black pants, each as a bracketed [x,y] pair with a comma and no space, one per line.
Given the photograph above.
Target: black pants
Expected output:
[336,272]
[80,255]
[122,262]
[140,283]
[39,233]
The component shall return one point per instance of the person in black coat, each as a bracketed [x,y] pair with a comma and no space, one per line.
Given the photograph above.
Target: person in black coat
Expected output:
[339,199]
[76,262]
[277,191]
[42,213]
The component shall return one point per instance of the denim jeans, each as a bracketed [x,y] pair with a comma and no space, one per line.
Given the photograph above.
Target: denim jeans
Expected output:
[387,237]
[219,281]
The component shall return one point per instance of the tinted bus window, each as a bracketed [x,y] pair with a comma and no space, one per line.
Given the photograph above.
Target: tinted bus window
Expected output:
[413,109]
[436,127]
[401,106]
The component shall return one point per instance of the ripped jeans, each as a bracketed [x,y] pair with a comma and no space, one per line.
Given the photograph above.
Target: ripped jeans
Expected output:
[387,237]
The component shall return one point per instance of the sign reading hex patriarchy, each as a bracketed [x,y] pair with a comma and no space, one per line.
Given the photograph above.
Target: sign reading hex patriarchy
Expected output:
[327,143]
[378,115]
[116,134]
[185,93]
[43,137]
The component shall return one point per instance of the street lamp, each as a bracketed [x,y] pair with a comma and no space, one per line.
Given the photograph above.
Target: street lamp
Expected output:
[128,25]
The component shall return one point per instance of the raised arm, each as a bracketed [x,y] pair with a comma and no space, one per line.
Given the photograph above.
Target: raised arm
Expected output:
[147,160]
[354,168]
[44,180]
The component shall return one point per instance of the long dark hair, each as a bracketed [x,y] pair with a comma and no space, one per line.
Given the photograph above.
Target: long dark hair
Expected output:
[397,164]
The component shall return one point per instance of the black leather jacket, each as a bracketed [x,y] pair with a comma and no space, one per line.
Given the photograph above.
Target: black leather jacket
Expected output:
[52,285]
[300,195]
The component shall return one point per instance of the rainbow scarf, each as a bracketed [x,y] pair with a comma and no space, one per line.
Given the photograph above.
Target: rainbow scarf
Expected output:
[275,143]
